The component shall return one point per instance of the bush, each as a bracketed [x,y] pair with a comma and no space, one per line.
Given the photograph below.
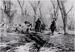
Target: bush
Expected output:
[71,27]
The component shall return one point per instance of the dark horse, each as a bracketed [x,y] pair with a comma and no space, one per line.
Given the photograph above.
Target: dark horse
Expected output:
[38,25]
[53,26]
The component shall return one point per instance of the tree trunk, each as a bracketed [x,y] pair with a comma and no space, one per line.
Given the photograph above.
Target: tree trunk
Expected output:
[65,23]
[63,13]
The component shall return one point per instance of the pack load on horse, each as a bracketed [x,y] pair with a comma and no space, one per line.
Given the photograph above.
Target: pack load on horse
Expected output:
[42,27]
[29,25]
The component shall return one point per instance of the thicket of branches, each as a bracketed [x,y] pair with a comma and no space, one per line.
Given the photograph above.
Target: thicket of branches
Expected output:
[7,9]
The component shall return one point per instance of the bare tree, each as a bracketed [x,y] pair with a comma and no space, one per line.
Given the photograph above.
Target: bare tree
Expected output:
[55,9]
[8,10]
[40,12]
[21,6]
[9,14]
[35,6]
[63,13]
[23,10]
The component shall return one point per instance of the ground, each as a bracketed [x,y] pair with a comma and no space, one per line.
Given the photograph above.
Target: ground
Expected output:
[10,42]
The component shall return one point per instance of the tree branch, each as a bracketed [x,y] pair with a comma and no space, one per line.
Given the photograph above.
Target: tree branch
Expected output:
[60,7]
[55,10]
[70,9]
[19,4]
[23,3]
